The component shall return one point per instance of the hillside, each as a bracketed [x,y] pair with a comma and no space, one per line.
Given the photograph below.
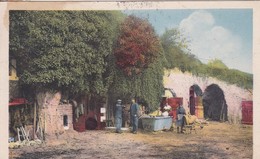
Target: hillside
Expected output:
[178,55]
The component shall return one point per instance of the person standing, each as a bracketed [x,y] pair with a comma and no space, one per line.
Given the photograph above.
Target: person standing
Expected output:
[134,114]
[119,109]
[180,113]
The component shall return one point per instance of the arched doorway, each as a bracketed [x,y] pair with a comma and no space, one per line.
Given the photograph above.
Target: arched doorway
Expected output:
[214,102]
[194,100]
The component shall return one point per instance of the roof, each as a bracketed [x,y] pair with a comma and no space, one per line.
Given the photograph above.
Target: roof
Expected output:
[18,101]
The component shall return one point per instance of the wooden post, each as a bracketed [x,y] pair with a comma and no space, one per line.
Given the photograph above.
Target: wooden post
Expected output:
[44,127]
[34,120]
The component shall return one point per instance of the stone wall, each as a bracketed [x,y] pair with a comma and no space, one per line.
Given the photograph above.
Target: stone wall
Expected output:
[54,118]
[234,95]
[52,115]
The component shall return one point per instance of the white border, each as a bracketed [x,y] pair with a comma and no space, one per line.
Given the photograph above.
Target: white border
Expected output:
[4,41]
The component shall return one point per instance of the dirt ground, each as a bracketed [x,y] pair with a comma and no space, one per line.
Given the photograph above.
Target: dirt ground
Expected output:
[216,140]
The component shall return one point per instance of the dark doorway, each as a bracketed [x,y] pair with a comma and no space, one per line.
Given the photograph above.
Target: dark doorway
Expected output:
[65,120]
[192,101]
[214,102]
[91,124]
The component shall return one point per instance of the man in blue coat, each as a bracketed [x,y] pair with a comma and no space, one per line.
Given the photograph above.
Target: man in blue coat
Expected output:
[119,108]
[134,114]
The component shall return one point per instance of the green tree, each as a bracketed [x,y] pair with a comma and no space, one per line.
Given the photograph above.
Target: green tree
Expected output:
[176,51]
[147,86]
[68,50]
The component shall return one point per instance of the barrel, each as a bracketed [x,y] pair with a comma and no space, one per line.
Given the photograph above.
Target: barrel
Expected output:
[199,112]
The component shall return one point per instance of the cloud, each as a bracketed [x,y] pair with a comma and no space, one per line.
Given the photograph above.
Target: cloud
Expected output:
[197,22]
[210,41]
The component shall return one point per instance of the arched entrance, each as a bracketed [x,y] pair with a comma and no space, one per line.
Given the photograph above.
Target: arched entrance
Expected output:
[195,103]
[214,102]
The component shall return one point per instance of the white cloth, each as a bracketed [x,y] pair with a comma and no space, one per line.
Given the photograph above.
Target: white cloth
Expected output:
[180,116]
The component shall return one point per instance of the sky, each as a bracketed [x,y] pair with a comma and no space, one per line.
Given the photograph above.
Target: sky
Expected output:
[224,34]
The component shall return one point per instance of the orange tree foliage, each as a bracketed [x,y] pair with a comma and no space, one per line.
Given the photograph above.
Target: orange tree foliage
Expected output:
[137,45]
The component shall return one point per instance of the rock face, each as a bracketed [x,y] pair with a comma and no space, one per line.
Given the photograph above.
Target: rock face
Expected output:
[234,95]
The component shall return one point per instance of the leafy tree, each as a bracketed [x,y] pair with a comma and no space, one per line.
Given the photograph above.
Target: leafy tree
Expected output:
[176,51]
[67,50]
[174,37]
[137,45]
[139,62]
